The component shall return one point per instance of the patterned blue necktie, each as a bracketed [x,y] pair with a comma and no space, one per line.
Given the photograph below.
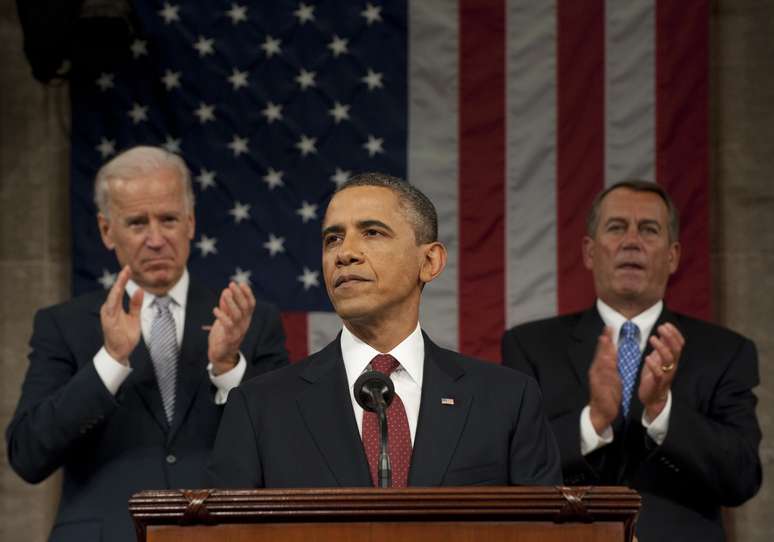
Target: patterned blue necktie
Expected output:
[164,353]
[628,361]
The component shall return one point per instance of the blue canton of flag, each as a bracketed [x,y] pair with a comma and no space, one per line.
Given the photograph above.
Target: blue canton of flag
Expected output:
[272,105]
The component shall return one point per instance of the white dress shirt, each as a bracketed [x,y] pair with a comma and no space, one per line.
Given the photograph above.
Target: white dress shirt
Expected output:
[657,428]
[114,373]
[407,378]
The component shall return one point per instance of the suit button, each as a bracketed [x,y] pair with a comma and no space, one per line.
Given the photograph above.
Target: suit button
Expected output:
[171,459]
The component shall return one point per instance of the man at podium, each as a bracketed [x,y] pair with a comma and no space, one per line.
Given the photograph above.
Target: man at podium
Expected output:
[453,420]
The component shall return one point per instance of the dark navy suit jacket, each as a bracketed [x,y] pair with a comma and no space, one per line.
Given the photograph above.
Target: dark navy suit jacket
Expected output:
[296,428]
[111,447]
[710,456]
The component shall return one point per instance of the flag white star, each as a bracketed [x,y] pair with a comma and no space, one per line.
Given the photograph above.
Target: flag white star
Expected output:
[172,145]
[207,245]
[238,79]
[105,81]
[170,13]
[374,145]
[372,79]
[305,79]
[272,112]
[309,278]
[238,145]
[372,13]
[205,112]
[340,177]
[307,145]
[338,46]
[273,178]
[274,245]
[237,13]
[241,277]
[171,79]
[107,279]
[305,13]
[339,112]
[271,46]
[139,47]
[204,46]
[138,113]
[240,212]
[308,211]
[106,147]
[205,179]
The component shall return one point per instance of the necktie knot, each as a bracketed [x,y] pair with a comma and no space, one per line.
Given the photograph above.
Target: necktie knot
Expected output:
[162,303]
[630,331]
[384,363]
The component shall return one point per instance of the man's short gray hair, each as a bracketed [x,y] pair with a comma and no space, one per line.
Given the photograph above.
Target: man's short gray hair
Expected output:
[420,211]
[139,162]
[637,185]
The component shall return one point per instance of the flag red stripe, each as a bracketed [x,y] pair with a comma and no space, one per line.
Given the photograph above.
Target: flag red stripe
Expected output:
[682,143]
[296,326]
[580,164]
[482,177]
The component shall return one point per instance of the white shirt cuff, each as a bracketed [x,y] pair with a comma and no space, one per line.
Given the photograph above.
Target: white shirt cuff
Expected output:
[657,429]
[110,371]
[590,440]
[225,382]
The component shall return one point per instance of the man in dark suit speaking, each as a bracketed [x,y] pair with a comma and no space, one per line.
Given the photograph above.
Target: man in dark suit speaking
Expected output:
[124,389]
[454,421]
[637,394]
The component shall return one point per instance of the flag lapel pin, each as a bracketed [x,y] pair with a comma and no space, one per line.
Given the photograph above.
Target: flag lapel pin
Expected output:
[447,401]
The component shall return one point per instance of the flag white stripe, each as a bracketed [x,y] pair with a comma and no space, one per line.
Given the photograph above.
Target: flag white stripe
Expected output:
[433,148]
[630,104]
[531,281]
[322,329]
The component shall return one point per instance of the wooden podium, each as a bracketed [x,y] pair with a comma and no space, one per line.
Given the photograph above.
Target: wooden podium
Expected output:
[460,514]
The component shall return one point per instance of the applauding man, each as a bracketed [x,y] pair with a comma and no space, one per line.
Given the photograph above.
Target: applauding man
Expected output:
[125,391]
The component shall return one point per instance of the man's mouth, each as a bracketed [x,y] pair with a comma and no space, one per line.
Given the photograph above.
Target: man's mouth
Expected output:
[344,279]
[630,266]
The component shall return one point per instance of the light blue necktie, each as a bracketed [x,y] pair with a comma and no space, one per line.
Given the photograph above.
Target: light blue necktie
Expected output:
[164,353]
[628,361]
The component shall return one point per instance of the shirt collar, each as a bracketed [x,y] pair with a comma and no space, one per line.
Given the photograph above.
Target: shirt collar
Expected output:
[410,353]
[645,320]
[178,293]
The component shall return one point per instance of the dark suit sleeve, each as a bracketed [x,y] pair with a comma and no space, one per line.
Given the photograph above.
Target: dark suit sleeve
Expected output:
[718,449]
[534,455]
[565,426]
[268,347]
[235,462]
[63,399]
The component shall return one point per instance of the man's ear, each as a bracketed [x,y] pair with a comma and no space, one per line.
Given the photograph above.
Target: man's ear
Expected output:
[106,231]
[191,225]
[433,262]
[588,252]
[674,257]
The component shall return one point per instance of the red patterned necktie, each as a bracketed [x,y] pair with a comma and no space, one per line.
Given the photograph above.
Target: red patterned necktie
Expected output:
[399,436]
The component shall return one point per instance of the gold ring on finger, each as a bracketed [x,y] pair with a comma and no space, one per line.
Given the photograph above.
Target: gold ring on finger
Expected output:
[667,367]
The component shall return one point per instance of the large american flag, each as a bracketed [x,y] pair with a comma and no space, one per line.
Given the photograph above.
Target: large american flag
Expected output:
[509,115]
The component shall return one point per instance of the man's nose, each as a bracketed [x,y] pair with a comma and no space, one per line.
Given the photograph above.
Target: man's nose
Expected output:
[632,238]
[155,237]
[349,252]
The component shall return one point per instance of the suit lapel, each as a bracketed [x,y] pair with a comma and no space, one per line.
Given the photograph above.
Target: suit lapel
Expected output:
[581,350]
[440,425]
[192,364]
[326,408]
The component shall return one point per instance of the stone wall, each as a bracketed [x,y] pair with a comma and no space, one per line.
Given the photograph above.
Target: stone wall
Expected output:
[34,229]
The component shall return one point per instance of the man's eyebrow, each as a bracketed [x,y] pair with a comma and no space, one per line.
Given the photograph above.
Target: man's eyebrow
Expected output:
[333,228]
[365,224]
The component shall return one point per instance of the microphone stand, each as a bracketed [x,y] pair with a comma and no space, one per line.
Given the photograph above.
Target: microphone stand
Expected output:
[384,469]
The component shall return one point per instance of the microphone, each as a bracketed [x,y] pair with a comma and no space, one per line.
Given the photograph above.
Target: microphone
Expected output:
[374,392]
